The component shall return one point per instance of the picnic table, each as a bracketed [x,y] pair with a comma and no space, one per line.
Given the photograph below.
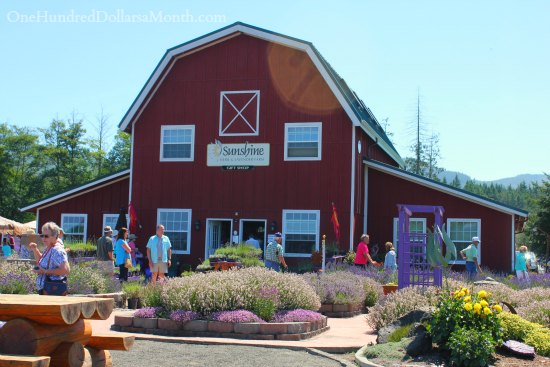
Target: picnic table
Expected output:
[44,330]
[225,265]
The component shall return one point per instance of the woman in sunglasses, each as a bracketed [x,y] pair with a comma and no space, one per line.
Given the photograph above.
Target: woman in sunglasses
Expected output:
[53,264]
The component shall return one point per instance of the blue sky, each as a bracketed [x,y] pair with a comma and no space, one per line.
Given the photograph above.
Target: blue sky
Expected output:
[482,67]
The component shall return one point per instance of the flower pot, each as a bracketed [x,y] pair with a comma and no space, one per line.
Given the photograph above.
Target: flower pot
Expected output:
[133,303]
[389,288]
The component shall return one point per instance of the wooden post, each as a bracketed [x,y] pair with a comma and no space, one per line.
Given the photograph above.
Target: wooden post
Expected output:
[111,342]
[100,357]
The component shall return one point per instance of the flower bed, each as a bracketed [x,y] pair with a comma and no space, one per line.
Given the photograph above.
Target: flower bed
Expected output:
[222,325]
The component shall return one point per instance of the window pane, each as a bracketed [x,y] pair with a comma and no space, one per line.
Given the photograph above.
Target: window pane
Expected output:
[300,243]
[310,150]
[178,240]
[177,151]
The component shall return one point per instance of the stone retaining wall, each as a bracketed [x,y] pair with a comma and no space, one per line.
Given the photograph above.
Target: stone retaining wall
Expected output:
[217,329]
[339,310]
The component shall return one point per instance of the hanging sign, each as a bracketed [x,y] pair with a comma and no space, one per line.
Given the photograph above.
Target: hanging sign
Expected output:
[244,155]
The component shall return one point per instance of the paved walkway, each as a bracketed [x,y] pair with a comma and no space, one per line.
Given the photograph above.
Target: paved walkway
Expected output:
[344,335]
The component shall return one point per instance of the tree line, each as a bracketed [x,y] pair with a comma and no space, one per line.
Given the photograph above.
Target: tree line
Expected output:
[36,163]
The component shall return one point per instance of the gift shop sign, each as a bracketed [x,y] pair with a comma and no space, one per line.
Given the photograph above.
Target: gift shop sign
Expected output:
[247,154]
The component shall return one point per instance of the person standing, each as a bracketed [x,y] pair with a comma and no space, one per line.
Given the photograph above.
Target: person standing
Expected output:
[252,241]
[122,252]
[522,265]
[159,253]
[53,263]
[389,261]
[6,248]
[470,254]
[362,255]
[132,243]
[274,254]
[105,251]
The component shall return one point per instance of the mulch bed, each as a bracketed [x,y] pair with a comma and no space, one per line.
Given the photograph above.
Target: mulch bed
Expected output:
[435,358]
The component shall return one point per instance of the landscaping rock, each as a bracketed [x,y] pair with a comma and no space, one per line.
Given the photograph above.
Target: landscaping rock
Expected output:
[421,341]
[487,280]
[420,315]
[519,349]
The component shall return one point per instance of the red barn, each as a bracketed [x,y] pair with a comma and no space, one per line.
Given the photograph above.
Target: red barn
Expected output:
[244,132]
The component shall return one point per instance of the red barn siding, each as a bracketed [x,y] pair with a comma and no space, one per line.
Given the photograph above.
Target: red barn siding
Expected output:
[386,191]
[291,90]
[105,200]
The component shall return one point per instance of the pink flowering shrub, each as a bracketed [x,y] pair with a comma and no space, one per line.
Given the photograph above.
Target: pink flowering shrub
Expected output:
[238,289]
[235,316]
[399,303]
[297,316]
[148,312]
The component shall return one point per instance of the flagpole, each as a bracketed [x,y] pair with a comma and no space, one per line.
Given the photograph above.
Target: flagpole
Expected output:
[323,243]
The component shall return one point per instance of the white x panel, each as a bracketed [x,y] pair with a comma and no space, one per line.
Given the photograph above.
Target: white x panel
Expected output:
[239,113]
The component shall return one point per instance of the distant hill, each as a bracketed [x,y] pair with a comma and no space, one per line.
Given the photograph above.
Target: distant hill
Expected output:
[513,181]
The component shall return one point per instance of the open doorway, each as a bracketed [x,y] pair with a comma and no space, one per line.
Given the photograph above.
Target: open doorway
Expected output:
[218,233]
[254,227]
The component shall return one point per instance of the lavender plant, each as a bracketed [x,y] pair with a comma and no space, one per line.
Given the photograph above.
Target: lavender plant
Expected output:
[235,316]
[184,316]
[16,278]
[297,316]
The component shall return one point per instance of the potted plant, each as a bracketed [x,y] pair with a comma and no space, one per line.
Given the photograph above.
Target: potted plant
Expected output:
[132,292]
[389,288]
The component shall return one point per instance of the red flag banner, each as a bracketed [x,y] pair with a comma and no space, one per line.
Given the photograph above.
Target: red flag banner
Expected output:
[133,218]
[335,223]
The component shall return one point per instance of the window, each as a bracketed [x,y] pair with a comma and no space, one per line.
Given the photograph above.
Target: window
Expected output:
[301,231]
[111,219]
[416,225]
[461,232]
[303,141]
[74,226]
[177,226]
[177,143]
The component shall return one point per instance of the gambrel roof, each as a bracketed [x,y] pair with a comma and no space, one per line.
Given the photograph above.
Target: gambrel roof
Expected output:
[358,112]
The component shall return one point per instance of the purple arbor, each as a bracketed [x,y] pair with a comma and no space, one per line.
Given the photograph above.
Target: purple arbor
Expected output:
[414,267]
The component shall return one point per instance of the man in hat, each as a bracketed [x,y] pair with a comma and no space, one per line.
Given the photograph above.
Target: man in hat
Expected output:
[105,251]
[470,254]
[274,255]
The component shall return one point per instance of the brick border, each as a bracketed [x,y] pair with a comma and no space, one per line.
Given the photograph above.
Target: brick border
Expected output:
[215,329]
[341,310]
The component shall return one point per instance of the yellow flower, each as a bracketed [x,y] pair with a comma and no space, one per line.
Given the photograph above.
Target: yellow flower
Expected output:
[497,308]
[466,290]
[477,307]
[484,303]
[487,311]
[468,306]
[467,299]
[482,294]
[460,294]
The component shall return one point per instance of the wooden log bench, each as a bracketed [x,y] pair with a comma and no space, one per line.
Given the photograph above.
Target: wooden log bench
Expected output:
[23,361]
[44,330]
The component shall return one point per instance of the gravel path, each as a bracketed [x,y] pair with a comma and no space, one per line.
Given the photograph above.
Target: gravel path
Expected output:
[161,354]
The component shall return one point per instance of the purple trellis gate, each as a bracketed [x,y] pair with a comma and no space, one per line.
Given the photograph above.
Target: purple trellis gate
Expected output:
[414,268]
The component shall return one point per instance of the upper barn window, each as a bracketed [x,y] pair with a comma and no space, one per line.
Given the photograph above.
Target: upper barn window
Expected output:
[303,141]
[177,143]
[240,113]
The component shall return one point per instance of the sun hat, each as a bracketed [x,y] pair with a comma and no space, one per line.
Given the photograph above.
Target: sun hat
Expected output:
[278,235]
[115,233]
[476,239]
[107,229]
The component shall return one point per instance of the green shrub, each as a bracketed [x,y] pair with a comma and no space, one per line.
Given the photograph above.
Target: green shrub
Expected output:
[400,333]
[132,289]
[389,351]
[350,258]
[373,291]
[516,328]
[151,295]
[80,249]
[471,347]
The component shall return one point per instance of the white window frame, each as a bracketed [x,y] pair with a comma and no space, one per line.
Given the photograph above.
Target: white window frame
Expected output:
[319,125]
[317,226]
[64,215]
[395,229]
[448,229]
[113,215]
[190,227]
[256,128]
[163,128]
